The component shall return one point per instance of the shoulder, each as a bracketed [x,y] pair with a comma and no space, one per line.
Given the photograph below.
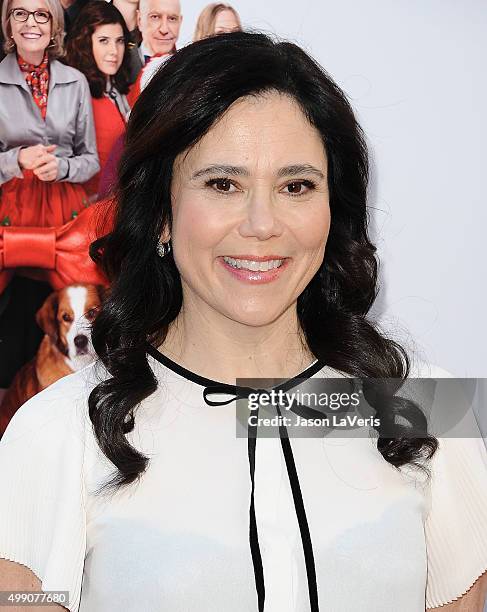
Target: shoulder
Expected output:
[9,70]
[46,455]
[456,523]
[59,410]
[62,73]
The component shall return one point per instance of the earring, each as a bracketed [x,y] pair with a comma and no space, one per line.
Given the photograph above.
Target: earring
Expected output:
[163,248]
[51,44]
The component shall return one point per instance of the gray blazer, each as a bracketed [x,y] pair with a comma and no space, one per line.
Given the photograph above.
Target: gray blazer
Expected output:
[69,121]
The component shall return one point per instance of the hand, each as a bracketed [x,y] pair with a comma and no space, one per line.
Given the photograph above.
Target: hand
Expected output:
[29,157]
[46,167]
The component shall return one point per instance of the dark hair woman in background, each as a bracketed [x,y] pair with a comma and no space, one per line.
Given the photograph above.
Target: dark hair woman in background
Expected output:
[126,483]
[97,47]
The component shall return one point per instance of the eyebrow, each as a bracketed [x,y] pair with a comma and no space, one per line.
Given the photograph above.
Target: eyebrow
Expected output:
[294,170]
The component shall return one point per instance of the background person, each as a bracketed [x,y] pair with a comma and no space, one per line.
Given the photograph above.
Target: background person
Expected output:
[159,22]
[47,149]
[217,18]
[47,134]
[240,249]
[98,48]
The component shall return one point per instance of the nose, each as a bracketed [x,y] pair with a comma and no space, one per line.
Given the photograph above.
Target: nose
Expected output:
[112,49]
[262,219]
[31,20]
[163,28]
[80,341]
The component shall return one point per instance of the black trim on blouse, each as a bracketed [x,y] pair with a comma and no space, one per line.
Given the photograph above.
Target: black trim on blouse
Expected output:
[215,387]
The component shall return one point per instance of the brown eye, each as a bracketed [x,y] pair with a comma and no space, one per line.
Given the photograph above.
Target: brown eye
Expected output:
[91,314]
[223,184]
[299,188]
[294,187]
[67,318]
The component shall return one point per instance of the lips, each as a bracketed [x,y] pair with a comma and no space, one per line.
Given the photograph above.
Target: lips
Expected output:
[255,270]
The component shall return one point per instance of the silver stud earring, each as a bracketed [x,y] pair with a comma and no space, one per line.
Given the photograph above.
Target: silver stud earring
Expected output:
[163,248]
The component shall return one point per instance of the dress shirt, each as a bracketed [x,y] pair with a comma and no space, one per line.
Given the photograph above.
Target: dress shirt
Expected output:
[68,124]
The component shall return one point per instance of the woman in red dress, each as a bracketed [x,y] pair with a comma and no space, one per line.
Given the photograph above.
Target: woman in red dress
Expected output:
[97,47]
[47,136]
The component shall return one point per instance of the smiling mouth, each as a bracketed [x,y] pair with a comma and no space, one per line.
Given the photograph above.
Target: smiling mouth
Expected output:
[262,264]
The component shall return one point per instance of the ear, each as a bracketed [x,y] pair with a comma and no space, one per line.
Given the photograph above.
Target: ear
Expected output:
[138,18]
[46,316]
[165,236]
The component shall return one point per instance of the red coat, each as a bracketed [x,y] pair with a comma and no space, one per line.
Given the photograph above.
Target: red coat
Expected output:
[109,126]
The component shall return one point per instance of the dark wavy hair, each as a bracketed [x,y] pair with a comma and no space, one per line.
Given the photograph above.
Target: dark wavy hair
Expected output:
[181,103]
[79,46]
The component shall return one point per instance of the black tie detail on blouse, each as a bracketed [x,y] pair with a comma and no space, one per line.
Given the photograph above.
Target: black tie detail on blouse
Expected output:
[235,392]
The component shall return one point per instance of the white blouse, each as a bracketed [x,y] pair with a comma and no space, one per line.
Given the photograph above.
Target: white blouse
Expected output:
[381,538]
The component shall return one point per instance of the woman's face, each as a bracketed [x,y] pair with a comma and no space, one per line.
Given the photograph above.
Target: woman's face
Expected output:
[108,48]
[30,37]
[225,21]
[250,211]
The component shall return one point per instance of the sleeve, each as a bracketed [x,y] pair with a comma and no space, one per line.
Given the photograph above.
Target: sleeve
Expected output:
[84,163]
[9,165]
[456,524]
[42,500]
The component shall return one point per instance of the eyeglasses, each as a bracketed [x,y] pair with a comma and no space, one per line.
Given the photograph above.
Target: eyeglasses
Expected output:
[20,14]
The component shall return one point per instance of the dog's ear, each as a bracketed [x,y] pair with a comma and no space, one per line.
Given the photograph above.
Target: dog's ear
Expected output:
[103,292]
[46,316]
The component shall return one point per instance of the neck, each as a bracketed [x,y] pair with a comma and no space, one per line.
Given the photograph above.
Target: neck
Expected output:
[146,48]
[129,13]
[32,57]
[216,347]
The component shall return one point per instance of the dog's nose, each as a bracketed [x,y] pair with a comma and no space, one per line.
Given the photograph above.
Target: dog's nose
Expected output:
[81,341]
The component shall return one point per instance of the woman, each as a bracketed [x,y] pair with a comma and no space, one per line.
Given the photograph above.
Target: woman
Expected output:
[47,137]
[243,161]
[96,47]
[217,18]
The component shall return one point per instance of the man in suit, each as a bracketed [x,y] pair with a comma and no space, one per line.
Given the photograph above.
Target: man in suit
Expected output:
[159,22]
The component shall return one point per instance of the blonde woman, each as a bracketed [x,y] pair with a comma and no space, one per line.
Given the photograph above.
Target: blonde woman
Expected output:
[217,18]
[47,134]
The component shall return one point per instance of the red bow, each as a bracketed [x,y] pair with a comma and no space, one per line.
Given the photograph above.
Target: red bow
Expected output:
[61,253]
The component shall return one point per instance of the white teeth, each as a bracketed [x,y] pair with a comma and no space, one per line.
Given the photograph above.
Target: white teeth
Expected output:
[254,266]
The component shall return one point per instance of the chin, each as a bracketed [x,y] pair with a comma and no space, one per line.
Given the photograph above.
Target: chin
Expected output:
[256,317]
[162,50]
[33,48]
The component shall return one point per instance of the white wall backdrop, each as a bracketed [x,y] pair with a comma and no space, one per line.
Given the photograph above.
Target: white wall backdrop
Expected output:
[415,72]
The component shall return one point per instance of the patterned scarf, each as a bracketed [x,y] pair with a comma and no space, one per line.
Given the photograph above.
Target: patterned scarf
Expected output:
[37,78]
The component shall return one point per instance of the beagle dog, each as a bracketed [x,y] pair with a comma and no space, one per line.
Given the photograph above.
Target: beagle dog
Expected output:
[65,318]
